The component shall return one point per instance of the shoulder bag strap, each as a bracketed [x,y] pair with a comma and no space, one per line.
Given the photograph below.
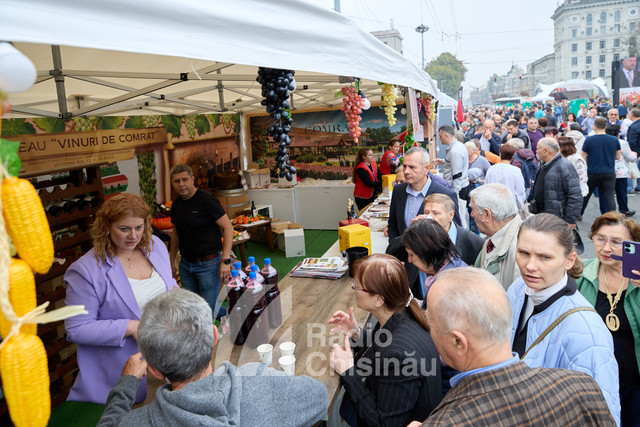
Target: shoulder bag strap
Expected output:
[554,324]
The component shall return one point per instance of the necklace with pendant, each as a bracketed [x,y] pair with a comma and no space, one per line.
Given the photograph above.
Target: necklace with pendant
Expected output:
[612,320]
[130,258]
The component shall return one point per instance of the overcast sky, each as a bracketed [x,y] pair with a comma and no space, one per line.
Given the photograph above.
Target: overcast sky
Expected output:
[487,36]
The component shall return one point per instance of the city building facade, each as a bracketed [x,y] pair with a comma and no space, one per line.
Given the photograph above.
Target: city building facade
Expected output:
[391,38]
[590,34]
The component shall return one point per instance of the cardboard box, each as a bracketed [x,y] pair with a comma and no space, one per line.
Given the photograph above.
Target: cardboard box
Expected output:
[354,235]
[352,221]
[265,177]
[284,182]
[291,242]
[256,178]
[388,181]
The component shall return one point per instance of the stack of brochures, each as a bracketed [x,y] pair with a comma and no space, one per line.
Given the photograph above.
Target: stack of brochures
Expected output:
[320,268]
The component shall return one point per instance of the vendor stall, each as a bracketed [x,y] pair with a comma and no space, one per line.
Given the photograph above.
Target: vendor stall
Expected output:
[183,71]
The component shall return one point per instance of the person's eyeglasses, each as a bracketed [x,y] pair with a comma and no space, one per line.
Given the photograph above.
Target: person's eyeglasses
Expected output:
[615,244]
[353,286]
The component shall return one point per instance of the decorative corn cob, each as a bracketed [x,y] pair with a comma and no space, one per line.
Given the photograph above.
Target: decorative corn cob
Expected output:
[26,223]
[22,295]
[25,379]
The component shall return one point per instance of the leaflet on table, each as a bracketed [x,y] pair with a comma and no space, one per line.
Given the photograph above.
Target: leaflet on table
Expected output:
[317,274]
[323,264]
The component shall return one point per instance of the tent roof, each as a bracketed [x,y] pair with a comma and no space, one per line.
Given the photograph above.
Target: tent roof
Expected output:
[575,85]
[445,100]
[166,57]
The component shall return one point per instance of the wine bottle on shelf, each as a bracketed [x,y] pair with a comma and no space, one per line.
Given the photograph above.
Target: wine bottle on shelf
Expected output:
[65,205]
[254,211]
[52,209]
[80,202]
[94,201]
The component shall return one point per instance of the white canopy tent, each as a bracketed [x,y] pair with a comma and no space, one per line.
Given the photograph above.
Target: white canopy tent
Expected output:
[574,89]
[445,100]
[183,57]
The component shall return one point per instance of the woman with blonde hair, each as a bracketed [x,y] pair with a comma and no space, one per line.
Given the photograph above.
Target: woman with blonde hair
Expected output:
[554,326]
[393,376]
[127,267]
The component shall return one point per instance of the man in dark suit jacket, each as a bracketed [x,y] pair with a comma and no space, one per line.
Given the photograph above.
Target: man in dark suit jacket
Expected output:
[408,197]
[440,208]
[633,132]
[628,75]
[494,386]
[633,138]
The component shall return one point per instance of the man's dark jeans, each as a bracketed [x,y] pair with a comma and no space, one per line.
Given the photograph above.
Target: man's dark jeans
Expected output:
[606,185]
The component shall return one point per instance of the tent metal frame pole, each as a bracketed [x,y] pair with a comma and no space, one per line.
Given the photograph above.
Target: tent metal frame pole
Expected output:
[59,79]
[315,100]
[34,111]
[117,99]
[221,93]
[151,95]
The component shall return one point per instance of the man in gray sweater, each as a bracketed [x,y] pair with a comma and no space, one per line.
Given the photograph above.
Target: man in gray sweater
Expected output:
[176,340]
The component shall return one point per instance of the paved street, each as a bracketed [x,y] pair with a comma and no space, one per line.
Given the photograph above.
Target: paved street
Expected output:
[593,212]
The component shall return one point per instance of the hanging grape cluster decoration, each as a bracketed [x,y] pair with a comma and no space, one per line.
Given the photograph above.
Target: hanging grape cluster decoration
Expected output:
[276,86]
[389,95]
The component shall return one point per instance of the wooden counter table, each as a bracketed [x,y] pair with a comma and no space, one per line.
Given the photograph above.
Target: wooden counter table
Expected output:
[307,305]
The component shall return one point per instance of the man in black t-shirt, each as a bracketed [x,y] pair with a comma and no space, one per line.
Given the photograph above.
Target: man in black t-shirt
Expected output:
[199,222]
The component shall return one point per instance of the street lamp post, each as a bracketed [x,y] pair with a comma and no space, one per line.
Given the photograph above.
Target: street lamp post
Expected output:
[422,29]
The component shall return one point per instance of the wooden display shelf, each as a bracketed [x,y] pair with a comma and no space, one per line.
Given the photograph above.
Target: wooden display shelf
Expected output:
[48,327]
[57,295]
[56,347]
[71,241]
[63,368]
[56,270]
[70,190]
[65,218]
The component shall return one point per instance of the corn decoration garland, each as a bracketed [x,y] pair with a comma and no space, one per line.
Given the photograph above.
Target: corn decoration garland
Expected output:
[22,295]
[26,223]
[23,358]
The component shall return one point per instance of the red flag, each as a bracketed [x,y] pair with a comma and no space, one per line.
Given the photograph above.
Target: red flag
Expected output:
[460,112]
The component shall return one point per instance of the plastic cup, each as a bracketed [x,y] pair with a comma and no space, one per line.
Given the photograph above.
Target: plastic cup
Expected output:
[288,364]
[265,351]
[287,348]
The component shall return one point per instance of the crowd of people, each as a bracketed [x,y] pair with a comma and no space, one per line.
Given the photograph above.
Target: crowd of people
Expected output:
[486,314]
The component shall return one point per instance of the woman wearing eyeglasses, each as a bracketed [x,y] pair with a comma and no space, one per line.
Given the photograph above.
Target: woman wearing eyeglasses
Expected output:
[553,324]
[617,301]
[393,375]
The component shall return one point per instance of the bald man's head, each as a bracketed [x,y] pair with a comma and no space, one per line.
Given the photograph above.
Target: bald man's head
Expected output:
[472,302]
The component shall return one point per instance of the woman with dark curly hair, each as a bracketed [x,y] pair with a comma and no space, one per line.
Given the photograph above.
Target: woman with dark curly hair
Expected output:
[127,267]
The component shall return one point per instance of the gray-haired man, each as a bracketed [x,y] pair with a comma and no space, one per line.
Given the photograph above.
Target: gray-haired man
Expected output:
[176,340]
[494,387]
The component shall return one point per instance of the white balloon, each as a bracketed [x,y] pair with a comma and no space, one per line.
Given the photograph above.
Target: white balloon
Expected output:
[367,104]
[294,84]
[17,72]
[403,111]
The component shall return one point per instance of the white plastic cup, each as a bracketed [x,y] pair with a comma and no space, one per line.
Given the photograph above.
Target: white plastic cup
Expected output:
[287,348]
[288,364]
[265,351]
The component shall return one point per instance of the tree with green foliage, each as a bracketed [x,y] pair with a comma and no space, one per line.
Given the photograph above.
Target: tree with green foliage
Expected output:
[448,71]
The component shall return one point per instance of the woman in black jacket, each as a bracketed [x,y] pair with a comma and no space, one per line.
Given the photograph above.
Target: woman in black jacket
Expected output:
[393,376]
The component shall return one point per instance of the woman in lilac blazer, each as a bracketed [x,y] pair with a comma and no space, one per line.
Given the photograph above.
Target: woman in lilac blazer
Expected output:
[126,267]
